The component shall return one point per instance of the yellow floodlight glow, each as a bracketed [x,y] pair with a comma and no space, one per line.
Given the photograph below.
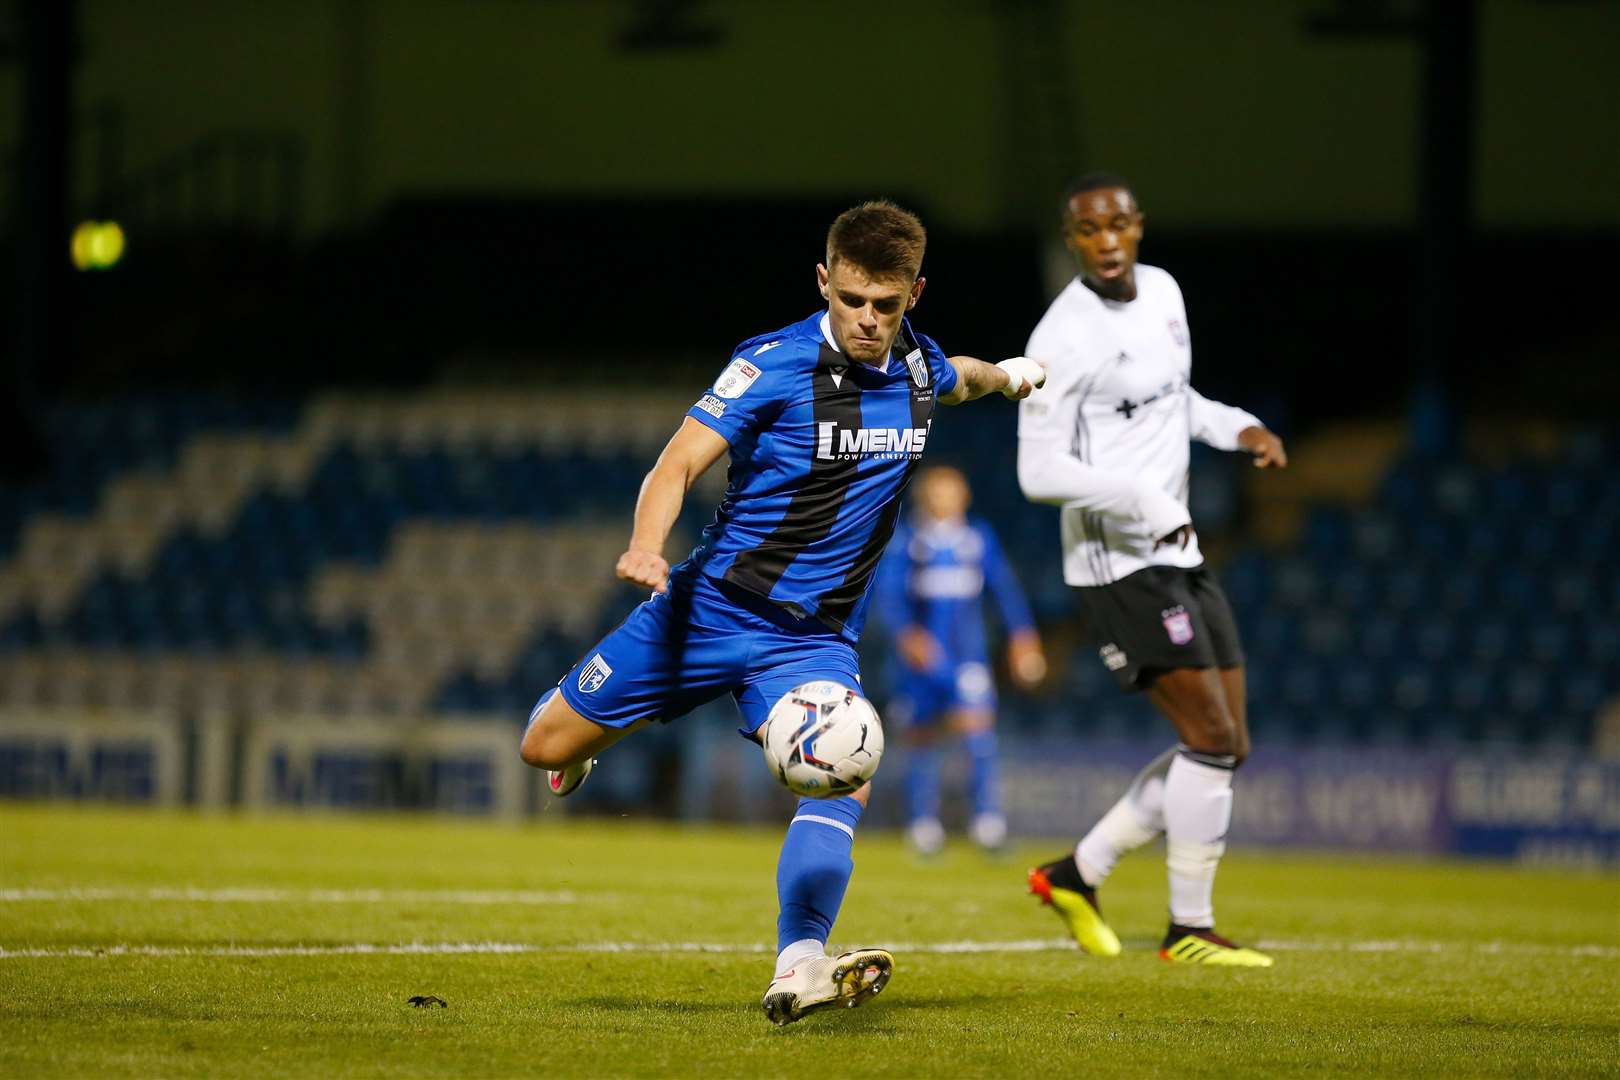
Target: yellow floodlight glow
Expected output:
[97,245]
[83,237]
[108,247]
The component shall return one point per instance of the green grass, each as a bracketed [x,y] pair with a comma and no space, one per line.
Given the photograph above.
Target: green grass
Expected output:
[1502,972]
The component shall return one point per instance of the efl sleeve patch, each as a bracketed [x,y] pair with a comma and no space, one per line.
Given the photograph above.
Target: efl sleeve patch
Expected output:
[749,407]
[736,379]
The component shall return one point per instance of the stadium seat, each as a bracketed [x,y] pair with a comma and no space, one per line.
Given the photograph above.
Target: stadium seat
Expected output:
[451,549]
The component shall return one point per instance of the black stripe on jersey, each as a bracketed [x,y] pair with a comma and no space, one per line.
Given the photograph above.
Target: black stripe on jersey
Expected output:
[839,602]
[814,508]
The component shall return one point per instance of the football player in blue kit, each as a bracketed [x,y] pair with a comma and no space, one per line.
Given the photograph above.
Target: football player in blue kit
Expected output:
[930,589]
[824,422]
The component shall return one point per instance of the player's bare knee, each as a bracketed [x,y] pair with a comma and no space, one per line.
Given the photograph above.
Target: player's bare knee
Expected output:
[1212,730]
[863,793]
[544,747]
[534,750]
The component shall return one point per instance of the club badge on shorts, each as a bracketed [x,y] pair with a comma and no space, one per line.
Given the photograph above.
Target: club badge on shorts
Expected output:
[1178,624]
[595,672]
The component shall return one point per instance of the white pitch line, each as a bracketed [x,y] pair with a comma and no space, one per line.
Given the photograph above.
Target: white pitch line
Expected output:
[440,948]
[249,895]
[1031,945]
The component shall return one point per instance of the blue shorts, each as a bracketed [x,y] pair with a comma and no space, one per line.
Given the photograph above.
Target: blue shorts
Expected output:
[924,697]
[687,647]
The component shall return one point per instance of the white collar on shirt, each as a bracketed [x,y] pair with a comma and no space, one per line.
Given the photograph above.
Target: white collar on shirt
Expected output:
[826,332]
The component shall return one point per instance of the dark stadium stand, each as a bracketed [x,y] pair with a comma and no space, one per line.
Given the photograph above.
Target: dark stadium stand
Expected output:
[451,552]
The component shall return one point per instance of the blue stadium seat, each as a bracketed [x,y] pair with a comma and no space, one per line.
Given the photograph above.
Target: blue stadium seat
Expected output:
[1379,636]
[1467,601]
[1328,534]
[1491,638]
[1246,580]
[1303,685]
[1406,589]
[1358,689]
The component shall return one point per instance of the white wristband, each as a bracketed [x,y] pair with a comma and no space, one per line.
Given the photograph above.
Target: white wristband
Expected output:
[1021,370]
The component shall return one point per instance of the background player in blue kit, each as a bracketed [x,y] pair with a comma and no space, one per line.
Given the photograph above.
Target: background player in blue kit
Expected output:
[824,421]
[931,589]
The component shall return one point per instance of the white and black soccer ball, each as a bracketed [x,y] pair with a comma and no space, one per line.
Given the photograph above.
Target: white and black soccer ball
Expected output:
[822,740]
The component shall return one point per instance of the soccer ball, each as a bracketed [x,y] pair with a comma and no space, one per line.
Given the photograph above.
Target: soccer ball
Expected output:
[822,740]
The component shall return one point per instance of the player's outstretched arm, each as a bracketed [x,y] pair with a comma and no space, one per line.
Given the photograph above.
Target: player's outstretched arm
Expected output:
[1266,447]
[1014,378]
[685,457]
[1226,427]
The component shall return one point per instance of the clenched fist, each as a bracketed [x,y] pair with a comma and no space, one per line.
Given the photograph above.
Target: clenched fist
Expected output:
[644,568]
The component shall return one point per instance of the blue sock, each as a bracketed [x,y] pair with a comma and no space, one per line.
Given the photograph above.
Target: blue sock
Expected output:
[922,781]
[813,870]
[986,771]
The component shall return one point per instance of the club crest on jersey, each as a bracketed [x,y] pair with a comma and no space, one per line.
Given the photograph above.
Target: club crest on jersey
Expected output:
[1113,657]
[919,367]
[1178,624]
[736,378]
[595,672]
[837,443]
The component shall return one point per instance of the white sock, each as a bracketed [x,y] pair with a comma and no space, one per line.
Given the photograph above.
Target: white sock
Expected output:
[1197,812]
[1134,820]
[797,952]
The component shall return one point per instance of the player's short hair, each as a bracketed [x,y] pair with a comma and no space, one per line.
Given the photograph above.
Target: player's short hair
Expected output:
[1093,181]
[880,237]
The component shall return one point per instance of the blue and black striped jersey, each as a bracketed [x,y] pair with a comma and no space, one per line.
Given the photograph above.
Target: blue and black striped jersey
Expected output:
[821,450]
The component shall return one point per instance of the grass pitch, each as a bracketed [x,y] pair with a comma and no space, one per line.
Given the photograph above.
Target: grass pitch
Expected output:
[148,944]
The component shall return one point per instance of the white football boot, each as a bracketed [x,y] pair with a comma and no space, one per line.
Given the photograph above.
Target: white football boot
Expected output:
[990,832]
[564,782]
[850,979]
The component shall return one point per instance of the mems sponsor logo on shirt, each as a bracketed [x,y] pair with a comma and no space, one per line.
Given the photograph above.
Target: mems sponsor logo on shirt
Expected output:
[837,443]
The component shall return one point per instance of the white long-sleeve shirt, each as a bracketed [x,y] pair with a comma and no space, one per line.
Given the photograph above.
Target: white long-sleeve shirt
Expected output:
[1107,437]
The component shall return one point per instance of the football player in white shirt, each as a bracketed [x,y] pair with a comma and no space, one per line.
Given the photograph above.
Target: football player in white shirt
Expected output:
[1107,440]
